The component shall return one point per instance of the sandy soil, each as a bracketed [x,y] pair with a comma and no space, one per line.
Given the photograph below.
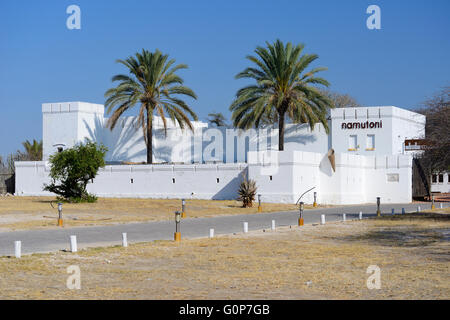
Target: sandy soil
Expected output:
[18,213]
[310,262]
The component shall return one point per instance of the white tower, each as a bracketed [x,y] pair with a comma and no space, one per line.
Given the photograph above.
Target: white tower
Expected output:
[67,123]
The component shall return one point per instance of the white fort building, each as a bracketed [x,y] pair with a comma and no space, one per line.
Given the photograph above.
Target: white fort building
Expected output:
[362,157]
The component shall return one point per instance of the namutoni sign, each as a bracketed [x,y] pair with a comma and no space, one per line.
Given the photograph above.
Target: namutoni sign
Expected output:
[362,125]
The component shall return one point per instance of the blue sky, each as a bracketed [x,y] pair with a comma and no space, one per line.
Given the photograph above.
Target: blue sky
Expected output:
[42,61]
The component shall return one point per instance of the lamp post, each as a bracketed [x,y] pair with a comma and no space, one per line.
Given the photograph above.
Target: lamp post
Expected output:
[60,220]
[259,203]
[378,207]
[300,218]
[183,208]
[432,202]
[315,200]
[177,234]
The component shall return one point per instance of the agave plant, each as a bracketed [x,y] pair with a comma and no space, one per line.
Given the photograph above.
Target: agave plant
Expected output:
[247,192]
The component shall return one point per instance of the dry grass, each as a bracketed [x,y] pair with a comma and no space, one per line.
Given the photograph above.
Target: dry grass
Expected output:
[313,262]
[17,213]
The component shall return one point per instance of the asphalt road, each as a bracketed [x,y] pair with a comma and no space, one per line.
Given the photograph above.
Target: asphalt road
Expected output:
[39,241]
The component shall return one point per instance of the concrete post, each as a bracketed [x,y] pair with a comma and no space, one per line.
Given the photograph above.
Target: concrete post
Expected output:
[73,244]
[17,249]
[322,219]
[124,240]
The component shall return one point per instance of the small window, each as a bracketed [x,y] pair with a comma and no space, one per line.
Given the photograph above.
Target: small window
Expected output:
[370,142]
[441,178]
[217,180]
[448,177]
[60,149]
[352,142]
[434,178]
[132,181]
[270,177]
[173,180]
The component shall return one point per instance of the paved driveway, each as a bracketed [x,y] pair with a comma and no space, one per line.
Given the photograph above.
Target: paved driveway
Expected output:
[37,241]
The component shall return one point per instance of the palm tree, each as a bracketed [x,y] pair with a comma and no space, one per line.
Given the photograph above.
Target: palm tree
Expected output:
[217,119]
[282,88]
[154,85]
[33,151]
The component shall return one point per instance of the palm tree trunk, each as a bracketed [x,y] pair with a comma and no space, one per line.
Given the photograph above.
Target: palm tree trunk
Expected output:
[281,131]
[149,136]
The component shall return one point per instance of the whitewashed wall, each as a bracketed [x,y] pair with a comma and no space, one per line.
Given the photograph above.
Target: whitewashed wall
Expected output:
[202,181]
[358,179]
[442,187]
[397,125]
[70,122]
[280,176]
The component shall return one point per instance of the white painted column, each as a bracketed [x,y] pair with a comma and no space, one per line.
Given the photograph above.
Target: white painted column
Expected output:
[245,225]
[73,244]
[17,249]
[211,233]
[273,225]
[360,215]
[344,217]
[322,219]
[124,239]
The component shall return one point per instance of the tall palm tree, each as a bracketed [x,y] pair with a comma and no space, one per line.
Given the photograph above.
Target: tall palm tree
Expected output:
[283,87]
[154,85]
[33,151]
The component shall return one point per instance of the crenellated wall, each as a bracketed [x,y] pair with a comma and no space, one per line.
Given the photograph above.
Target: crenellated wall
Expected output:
[281,177]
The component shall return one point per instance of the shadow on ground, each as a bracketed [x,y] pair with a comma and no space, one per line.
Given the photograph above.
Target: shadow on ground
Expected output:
[415,232]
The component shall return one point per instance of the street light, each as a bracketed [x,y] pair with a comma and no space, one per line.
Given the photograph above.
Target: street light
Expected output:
[183,207]
[60,220]
[177,235]
[315,200]
[378,207]
[259,203]
[300,219]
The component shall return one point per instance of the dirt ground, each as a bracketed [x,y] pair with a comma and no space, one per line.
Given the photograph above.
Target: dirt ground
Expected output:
[310,262]
[19,213]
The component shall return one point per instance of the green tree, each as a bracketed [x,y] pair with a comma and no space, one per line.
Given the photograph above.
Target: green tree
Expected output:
[73,168]
[217,119]
[154,84]
[283,87]
[33,151]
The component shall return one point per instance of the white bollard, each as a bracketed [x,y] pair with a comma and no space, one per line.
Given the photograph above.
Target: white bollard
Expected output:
[440,206]
[322,219]
[418,208]
[273,225]
[211,233]
[245,227]
[403,211]
[344,217]
[18,249]
[73,244]
[124,239]
[360,215]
